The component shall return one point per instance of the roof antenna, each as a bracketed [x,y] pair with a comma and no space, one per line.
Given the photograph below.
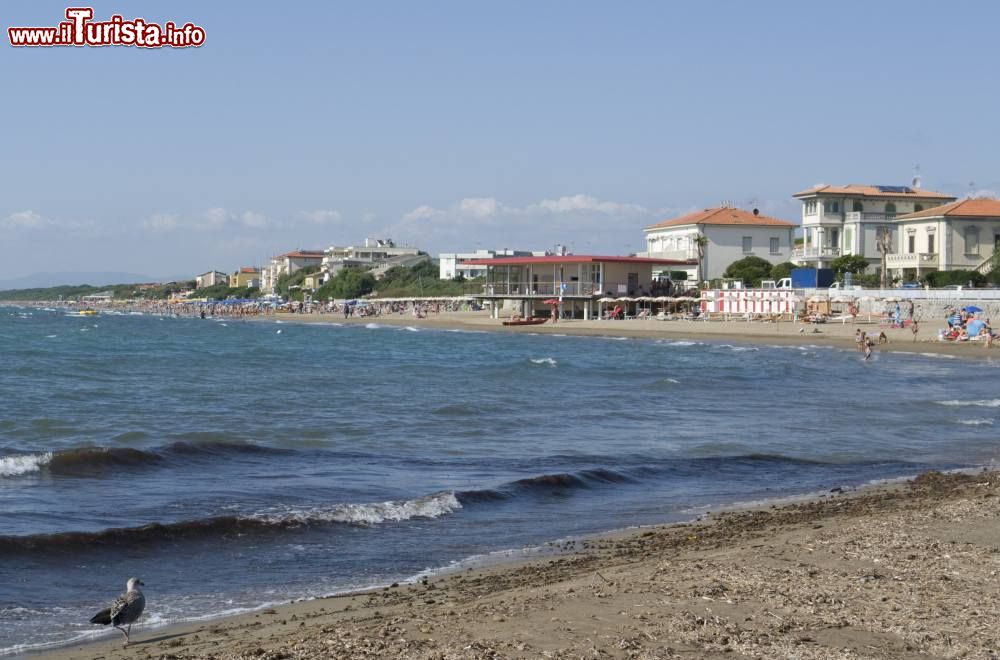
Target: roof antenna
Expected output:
[916,176]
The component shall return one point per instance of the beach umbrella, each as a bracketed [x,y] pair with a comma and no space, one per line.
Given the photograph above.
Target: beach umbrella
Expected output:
[606,300]
[972,309]
[550,301]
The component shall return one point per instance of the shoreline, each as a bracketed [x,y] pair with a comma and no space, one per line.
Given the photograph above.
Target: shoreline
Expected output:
[784,333]
[760,581]
[835,335]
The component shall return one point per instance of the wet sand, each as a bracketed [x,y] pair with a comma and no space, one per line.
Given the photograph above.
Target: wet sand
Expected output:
[785,333]
[897,571]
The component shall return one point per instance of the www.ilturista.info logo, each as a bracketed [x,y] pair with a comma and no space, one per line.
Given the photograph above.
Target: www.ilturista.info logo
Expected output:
[80,30]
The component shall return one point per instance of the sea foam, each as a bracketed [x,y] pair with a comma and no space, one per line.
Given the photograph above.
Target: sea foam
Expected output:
[431,506]
[15,466]
[981,403]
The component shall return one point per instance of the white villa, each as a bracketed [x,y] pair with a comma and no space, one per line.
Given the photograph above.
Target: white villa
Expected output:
[211,278]
[847,219]
[962,235]
[286,264]
[453,264]
[378,254]
[730,234]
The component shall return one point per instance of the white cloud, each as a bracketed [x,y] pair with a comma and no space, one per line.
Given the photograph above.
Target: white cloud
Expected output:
[215,218]
[162,222]
[480,207]
[252,219]
[984,193]
[322,216]
[24,220]
[423,213]
[588,204]
[596,224]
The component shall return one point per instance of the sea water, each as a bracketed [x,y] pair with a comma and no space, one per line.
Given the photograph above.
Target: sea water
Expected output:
[231,466]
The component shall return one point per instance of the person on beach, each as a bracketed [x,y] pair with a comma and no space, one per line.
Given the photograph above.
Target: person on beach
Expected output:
[914,328]
[555,313]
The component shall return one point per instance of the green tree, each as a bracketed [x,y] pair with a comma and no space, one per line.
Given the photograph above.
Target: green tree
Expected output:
[782,270]
[348,283]
[749,269]
[939,278]
[849,263]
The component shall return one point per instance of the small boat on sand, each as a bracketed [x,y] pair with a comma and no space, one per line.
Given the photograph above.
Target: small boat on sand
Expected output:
[531,320]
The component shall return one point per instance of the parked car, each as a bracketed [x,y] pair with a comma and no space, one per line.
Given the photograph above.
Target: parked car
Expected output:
[953,287]
[910,285]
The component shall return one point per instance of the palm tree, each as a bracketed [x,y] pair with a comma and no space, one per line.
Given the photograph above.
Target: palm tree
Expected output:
[701,242]
[883,241]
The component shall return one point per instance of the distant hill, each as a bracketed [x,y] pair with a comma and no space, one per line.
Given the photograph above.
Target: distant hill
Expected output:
[45,280]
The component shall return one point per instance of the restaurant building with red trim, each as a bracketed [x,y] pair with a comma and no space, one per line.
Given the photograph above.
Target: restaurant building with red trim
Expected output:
[578,281]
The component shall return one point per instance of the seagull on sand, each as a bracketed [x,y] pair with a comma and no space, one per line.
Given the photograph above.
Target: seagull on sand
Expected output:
[125,610]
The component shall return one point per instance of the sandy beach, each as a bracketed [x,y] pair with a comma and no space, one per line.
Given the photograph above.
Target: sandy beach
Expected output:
[784,333]
[896,571]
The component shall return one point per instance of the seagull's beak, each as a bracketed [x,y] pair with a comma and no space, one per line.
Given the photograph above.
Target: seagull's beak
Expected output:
[141,583]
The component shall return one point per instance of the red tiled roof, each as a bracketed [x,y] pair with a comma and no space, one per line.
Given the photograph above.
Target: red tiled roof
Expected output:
[568,259]
[722,216]
[249,269]
[862,190]
[966,208]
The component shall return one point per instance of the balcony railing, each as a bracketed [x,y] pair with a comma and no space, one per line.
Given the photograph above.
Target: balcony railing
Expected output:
[816,252]
[549,289]
[679,255]
[859,216]
[911,260]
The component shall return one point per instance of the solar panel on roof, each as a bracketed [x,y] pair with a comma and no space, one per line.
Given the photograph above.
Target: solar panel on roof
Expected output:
[894,189]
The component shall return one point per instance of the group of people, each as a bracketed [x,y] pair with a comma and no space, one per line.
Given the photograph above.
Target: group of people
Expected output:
[963,325]
[866,342]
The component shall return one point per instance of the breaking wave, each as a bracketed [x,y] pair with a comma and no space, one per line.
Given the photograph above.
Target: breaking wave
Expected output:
[976,422]
[268,521]
[15,466]
[982,403]
[91,461]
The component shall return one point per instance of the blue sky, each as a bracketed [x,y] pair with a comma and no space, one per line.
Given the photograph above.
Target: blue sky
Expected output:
[457,125]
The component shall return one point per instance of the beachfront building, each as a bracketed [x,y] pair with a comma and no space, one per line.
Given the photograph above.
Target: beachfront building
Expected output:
[839,220]
[101,297]
[286,264]
[211,278]
[962,235]
[579,281]
[727,234]
[375,254]
[246,277]
[469,264]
